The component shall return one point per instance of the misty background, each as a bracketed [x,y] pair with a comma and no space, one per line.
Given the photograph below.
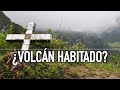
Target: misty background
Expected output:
[91,21]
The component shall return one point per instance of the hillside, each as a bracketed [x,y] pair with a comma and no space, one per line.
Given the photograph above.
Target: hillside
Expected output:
[5,23]
[60,40]
[90,40]
[112,34]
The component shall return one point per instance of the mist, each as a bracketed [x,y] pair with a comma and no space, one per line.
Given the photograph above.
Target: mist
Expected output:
[88,21]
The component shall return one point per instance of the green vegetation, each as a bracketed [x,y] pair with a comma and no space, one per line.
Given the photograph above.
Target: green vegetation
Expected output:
[60,40]
[115,45]
[4,20]
[1,57]
[90,40]
[7,24]
[111,69]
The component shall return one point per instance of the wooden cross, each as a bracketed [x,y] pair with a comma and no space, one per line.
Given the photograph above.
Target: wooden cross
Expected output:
[28,36]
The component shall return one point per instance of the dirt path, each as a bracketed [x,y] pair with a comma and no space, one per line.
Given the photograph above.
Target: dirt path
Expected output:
[81,72]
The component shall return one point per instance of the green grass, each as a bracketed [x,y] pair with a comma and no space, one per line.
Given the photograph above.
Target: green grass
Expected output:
[67,70]
[115,45]
[94,70]
[106,66]
[1,56]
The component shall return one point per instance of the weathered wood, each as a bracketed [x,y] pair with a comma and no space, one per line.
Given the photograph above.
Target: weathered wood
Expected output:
[41,37]
[15,36]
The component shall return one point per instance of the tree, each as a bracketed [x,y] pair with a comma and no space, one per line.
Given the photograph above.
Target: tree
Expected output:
[10,29]
[57,44]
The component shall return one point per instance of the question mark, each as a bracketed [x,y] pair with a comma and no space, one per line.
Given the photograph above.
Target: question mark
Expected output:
[106,54]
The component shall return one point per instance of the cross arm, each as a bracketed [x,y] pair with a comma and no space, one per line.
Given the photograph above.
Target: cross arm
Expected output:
[41,37]
[15,37]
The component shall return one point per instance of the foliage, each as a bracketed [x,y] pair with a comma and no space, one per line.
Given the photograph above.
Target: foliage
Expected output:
[60,40]
[15,29]
[10,29]
[3,43]
[46,71]
[1,57]
[78,46]
[55,70]
[115,45]
[4,20]
[57,44]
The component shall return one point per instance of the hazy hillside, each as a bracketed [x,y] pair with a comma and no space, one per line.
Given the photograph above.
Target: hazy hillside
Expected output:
[90,40]
[112,34]
[5,22]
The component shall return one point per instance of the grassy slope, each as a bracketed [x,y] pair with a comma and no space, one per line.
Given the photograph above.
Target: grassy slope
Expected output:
[93,71]
[109,70]
[1,56]
[115,45]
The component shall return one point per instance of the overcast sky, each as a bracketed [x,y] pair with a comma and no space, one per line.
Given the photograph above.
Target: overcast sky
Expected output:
[69,20]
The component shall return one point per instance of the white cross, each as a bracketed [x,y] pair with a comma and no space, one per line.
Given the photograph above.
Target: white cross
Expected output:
[28,36]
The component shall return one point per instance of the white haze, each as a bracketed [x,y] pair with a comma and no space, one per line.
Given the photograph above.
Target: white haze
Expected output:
[92,21]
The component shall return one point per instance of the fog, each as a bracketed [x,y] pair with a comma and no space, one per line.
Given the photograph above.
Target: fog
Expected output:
[91,21]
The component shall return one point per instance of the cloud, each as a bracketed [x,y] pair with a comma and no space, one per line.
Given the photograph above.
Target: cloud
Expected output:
[70,20]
